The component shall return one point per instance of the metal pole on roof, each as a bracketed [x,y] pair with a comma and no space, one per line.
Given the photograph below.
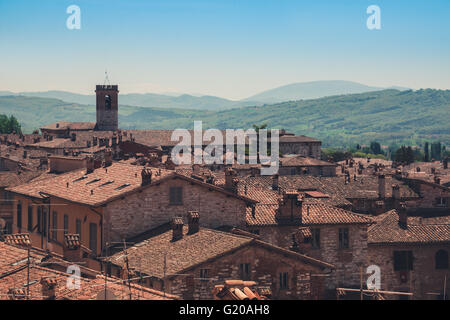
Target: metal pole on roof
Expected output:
[361,281]
[445,287]
[128,268]
[28,273]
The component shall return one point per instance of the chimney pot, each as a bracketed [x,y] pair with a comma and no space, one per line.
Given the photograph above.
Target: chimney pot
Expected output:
[177,228]
[381,186]
[48,287]
[146,175]
[193,220]
[275,180]
[402,216]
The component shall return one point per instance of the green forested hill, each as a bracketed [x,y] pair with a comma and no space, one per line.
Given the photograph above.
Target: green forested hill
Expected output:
[387,116]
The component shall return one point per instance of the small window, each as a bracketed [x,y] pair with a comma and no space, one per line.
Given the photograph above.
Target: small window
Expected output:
[66,224]
[403,260]
[39,219]
[78,227]
[204,273]
[176,195]
[30,218]
[19,215]
[108,102]
[54,226]
[93,237]
[284,280]
[441,260]
[44,221]
[343,238]
[315,239]
[244,271]
[441,202]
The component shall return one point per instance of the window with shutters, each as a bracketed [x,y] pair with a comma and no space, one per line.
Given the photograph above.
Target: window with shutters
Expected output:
[78,227]
[176,195]
[66,224]
[244,271]
[93,237]
[441,260]
[284,280]
[30,218]
[403,260]
[204,273]
[315,238]
[343,238]
[19,215]
[39,219]
[54,232]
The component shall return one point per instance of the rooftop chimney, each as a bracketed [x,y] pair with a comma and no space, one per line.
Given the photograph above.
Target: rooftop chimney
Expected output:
[396,191]
[381,186]
[193,220]
[177,228]
[108,158]
[89,165]
[275,179]
[72,247]
[230,182]
[402,216]
[48,287]
[25,154]
[146,175]
[16,294]
[437,180]
[290,207]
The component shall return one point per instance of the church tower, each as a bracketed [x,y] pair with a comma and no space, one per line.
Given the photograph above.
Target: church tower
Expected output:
[107,107]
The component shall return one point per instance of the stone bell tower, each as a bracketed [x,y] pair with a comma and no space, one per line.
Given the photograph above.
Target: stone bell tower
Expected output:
[107,107]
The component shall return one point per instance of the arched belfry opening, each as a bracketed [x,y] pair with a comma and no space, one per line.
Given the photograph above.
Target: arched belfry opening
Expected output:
[107,106]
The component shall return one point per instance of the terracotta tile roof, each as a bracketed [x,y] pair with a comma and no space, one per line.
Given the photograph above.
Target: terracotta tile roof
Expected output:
[365,187]
[13,277]
[160,137]
[103,184]
[148,255]
[312,214]
[418,231]
[12,179]
[191,250]
[290,139]
[96,188]
[63,125]
[299,161]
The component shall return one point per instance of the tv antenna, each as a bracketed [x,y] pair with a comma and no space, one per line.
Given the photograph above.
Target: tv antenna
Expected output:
[106,82]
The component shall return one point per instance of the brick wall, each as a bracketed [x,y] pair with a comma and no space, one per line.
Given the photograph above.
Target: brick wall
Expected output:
[423,279]
[265,267]
[151,208]
[346,261]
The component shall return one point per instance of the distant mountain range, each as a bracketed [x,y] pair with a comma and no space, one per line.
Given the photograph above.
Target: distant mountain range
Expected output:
[314,90]
[387,116]
[291,92]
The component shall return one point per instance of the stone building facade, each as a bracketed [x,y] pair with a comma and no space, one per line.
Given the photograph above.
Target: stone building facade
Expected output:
[191,263]
[412,253]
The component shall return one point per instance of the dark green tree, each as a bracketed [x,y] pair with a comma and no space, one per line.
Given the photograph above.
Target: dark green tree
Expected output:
[375,147]
[9,124]
[427,152]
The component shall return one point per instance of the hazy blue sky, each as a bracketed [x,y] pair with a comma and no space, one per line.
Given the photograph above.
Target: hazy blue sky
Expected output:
[228,48]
